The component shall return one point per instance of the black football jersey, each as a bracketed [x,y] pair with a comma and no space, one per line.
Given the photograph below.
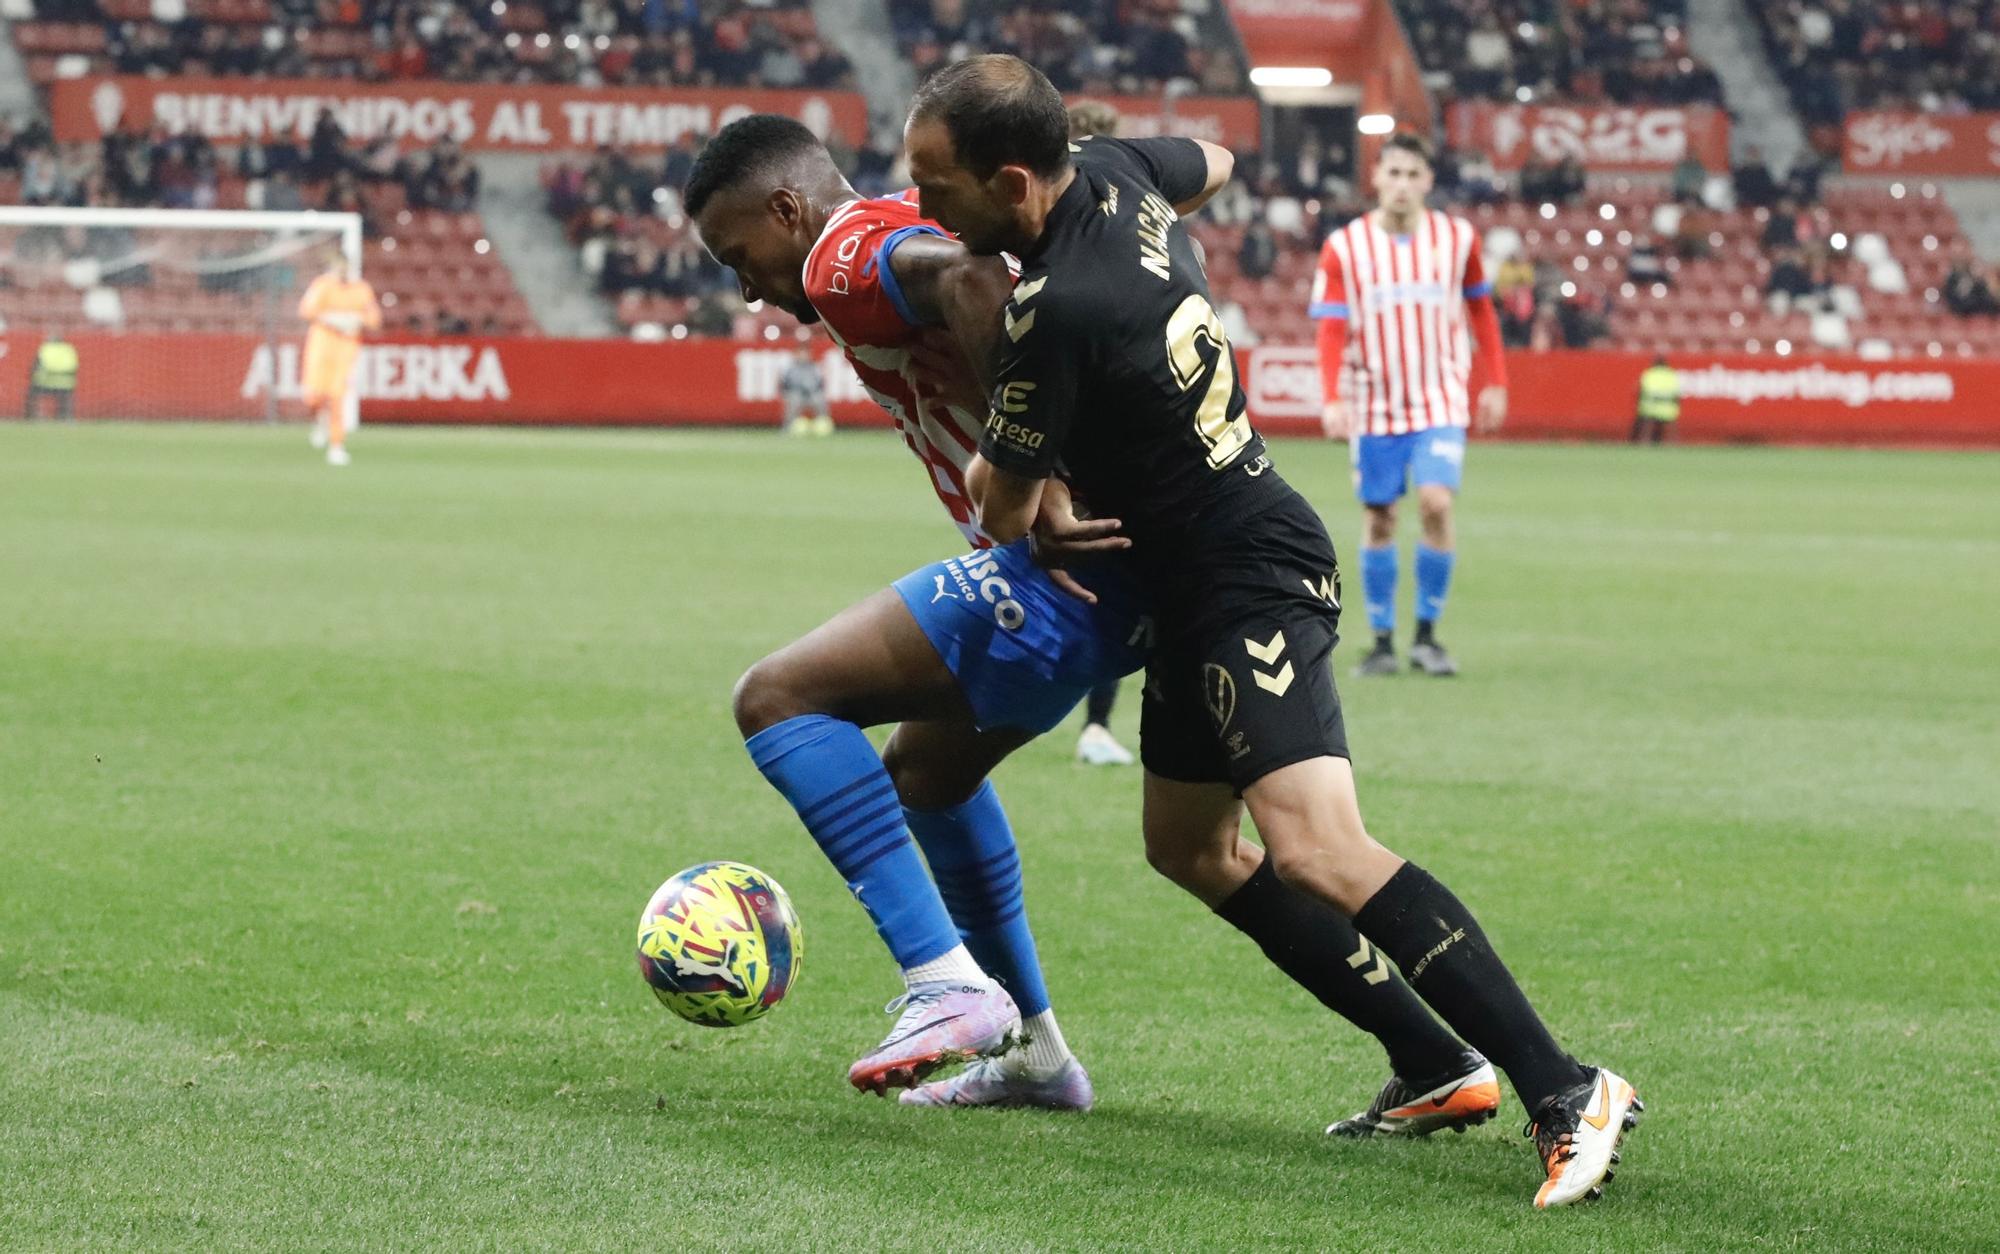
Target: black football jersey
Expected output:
[1113,368]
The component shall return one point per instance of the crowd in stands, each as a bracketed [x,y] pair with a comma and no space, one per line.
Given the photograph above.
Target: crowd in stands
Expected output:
[655,43]
[1939,56]
[1592,51]
[1089,46]
[426,246]
[157,169]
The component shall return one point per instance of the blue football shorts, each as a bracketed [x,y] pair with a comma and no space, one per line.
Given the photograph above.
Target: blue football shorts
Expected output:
[1025,652]
[1385,465]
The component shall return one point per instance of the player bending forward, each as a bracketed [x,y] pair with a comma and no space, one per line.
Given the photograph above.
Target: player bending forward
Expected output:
[1115,366]
[1396,291]
[973,657]
[341,306]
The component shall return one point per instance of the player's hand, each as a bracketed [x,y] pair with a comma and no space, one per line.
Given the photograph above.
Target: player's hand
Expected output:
[1492,412]
[1336,418]
[940,373]
[1060,537]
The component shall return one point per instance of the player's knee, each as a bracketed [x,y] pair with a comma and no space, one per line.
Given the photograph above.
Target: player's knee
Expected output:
[1434,502]
[1380,525]
[765,696]
[1324,873]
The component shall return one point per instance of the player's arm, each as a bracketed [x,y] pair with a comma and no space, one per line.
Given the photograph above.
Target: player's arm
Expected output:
[1484,320]
[1329,312]
[1188,172]
[1034,394]
[371,314]
[944,285]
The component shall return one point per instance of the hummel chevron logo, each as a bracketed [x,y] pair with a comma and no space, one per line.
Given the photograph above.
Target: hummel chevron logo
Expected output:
[1359,958]
[1025,292]
[1274,684]
[1016,328]
[1268,652]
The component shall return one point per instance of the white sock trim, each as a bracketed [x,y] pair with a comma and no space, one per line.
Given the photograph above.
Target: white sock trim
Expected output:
[956,964]
[1044,1050]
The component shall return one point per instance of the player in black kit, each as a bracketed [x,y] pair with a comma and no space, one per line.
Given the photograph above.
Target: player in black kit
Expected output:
[1114,374]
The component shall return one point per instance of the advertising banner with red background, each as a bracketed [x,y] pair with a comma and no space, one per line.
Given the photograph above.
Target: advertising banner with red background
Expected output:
[1560,395]
[479,116]
[1235,122]
[1921,143]
[1273,29]
[1609,137]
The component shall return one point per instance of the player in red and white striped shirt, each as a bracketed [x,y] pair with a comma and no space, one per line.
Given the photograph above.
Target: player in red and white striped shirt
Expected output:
[1399,294]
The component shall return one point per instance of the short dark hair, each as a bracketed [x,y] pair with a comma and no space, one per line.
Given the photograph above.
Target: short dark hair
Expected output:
[1000,111]
[760,144]
[1416,145]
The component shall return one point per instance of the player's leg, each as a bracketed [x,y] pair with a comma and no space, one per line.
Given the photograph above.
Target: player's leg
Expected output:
[1381,471]
[1193,837]
[1309,814]
[1438,469]
[801,711]
[339,380]
[940,767]
[1096,746]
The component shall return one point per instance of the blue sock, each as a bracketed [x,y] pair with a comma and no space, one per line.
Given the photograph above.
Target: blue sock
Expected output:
[1433,581]
[834,778]
[1378,584]
[971,851]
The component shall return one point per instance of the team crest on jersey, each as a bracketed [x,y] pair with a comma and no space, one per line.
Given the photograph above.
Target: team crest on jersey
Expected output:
[1218,688]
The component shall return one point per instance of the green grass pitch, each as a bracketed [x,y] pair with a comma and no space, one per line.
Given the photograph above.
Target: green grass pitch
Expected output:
[328,802]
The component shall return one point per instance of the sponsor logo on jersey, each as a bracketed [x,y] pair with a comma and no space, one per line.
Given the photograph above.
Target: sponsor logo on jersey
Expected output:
[1014,435]
[981,571]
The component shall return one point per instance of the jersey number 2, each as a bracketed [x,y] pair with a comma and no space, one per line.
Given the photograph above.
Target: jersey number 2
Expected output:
[1192,323]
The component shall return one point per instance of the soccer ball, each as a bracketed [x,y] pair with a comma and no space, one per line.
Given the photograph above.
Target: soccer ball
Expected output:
[720,944]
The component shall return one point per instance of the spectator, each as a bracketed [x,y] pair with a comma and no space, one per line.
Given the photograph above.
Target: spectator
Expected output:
[1781,228]
[1690,179]
[1645,265]
[1968,288]
[1258,257]
[1755,188]
[1790,281]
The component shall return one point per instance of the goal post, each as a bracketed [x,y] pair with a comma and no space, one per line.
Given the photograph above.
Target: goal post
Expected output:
[173,313]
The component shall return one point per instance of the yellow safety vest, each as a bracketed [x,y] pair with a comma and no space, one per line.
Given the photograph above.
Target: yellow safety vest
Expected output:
[1660,394]
[55,366]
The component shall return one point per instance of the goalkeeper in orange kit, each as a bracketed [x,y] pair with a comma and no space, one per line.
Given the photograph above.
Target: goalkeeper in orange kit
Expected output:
[340,305]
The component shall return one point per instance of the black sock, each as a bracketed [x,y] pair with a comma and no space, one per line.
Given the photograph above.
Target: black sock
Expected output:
[1447,959]
[1317,946]
[1097,707]
[1424,630]
[1385,642]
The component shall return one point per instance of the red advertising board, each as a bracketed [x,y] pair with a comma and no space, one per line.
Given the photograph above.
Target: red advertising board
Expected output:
[479,116]
[1232,121]
[1602,138]
[1587,395]
[1273,28]
[1921,143]
[1559,395]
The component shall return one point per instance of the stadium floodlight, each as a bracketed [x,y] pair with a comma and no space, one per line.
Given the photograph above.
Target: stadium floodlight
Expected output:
[1375,124]
[1291,76]
[160,278]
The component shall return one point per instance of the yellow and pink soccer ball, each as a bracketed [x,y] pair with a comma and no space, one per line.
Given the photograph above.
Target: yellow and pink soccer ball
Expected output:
[720,944]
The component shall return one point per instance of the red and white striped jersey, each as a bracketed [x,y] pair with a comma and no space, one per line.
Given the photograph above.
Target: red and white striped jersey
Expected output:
[1408,353]
[848,280]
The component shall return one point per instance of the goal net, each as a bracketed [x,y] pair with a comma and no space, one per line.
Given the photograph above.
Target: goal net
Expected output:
[180,314]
